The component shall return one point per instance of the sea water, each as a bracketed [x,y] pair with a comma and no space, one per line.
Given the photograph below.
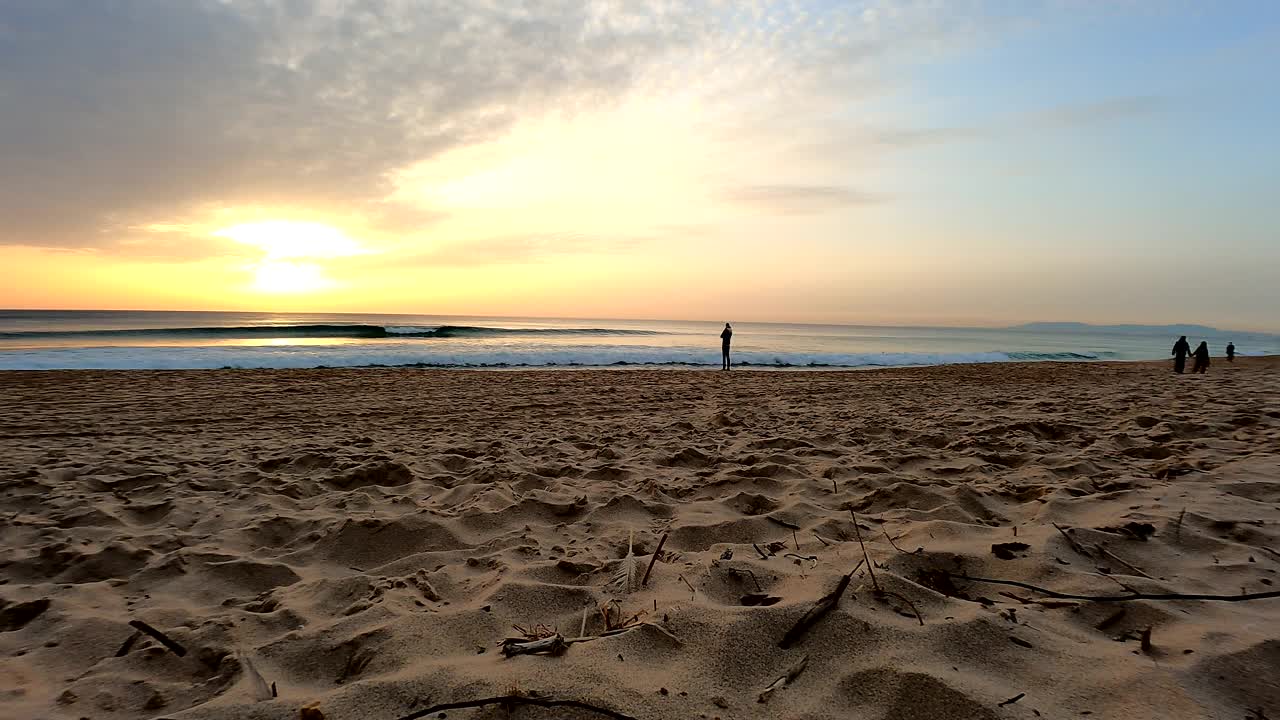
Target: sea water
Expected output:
[49,339]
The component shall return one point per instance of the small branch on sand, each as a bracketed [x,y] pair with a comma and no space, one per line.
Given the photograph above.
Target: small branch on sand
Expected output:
[762,555]
[795,540]
[736,573]
[692,593]
[1012,700]
[1042,603]
[623,631]
[1112,556]
[894,544]
[786,679]
[1177,528]
[554,645]
[1122,598]
[128,644]
[824,605]
[824,542]
[645,580]
[509,701]
[1146,640]
[910,604]
[1071,541]
[811,558]
[834,490]
[865,556]
[164,639]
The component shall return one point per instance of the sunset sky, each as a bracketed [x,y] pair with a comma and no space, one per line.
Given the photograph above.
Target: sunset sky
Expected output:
[865,162]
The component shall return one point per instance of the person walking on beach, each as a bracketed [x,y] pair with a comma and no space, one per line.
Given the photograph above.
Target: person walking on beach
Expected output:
[1231,352]
[726,336]
[1202,358]
[1180,352]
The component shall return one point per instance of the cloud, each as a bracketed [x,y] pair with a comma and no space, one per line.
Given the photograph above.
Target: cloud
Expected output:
[797,199]
[117,113]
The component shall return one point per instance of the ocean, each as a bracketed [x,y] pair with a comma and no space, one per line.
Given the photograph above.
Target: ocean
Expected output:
[82,339]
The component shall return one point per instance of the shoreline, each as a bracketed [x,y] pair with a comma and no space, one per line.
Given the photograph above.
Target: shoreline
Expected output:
[1219,364]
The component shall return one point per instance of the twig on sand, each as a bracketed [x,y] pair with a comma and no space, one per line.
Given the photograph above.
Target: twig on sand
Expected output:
[692,593]
[164,639]
[512,700]
[905,600]
[736,573]
[824,542]
[795,540]
[811,558]
[1177,528]
[1121,598]
[128,644]
[786,679]
[1136,570]
[870,565]
[894,544]
[1071,541]
[645,580]
[554,645]
[1042,603]
[824,605]
[1012,700]
[762,555]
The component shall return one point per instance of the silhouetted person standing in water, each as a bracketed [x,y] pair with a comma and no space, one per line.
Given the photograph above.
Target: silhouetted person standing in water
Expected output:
[1231,352]
[1180,352]
[1202,358]
[725,337]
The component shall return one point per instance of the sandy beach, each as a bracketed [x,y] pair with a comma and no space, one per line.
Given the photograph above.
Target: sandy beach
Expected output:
[364,540]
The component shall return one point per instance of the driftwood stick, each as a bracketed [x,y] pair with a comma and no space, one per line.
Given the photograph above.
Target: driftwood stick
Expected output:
[645,580]
[762,555]
[1012,700]
[554,645]
[1071,541]
[509,700]
[1112,556]
[824,542]
[1122,598]
[824,605]
[870,565]
[1177,528]
[692,593]
[895,545]
[164,639]
[908,602]
[811,558]
[128,644]
[787,678]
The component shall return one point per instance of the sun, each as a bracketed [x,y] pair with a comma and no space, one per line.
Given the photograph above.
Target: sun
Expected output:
[292,251]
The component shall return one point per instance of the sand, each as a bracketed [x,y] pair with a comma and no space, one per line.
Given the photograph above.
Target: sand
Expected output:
[364,539]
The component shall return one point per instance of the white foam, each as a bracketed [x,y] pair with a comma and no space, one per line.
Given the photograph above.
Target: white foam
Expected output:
[356,355]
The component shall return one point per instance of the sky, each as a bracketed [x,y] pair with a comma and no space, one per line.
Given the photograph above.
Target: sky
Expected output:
[881,162]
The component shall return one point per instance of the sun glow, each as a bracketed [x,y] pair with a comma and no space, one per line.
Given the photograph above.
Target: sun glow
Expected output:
[291,251]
